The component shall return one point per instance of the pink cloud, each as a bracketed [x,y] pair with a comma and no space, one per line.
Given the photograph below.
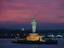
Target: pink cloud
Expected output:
[22,11]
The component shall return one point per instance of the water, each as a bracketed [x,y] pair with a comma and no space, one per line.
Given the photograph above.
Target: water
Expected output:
[7,44]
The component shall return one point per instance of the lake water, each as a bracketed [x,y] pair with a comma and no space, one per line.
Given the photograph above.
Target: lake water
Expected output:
[7,44]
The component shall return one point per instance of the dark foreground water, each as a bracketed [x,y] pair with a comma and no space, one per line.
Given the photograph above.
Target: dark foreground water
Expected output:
[7,44]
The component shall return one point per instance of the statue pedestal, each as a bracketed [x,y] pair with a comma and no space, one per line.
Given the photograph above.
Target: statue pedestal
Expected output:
[33,33]
[33,37]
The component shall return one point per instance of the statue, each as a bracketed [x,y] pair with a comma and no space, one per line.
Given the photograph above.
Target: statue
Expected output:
[34,25]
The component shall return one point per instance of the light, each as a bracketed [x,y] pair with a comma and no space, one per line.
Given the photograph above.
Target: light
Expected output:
[22,29]
[33,37]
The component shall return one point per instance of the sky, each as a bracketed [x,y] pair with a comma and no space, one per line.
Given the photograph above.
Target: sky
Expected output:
[48,13]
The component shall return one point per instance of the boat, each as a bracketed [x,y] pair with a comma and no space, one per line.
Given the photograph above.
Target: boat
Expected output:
[59,36]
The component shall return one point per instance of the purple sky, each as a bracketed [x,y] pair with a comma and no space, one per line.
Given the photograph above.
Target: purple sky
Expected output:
[21,11]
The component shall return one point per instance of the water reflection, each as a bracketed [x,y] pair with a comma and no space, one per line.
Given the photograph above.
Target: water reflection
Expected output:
[7,44]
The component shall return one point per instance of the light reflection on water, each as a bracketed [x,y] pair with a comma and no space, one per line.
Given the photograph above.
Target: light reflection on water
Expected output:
[7,44]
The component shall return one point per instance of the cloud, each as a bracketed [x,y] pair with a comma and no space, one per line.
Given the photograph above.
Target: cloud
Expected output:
[21,10]
[61,17]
